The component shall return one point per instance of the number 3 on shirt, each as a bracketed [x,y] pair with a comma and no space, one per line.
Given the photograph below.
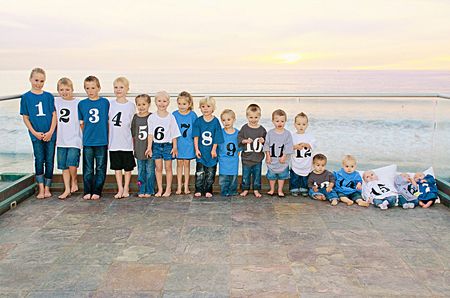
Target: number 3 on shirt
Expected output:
[94,116]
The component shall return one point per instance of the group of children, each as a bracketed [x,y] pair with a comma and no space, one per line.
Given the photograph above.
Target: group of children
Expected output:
[152,140]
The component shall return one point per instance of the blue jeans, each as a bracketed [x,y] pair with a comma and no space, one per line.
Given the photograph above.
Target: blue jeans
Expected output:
[298,184]
[228,185]
[247,173]
[391,201]
[402,200]
[44,156]
[204,178]
[330,196]
[146,176]
[353,196]
[94,156]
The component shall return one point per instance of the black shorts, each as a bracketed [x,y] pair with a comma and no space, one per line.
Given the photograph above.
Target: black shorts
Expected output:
[122,160]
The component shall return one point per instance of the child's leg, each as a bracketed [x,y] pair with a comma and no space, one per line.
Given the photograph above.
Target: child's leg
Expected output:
[72,162]
[199,179]
[49,149]
[38,151]
[126,185]
[280,188]
[169,176]
[187,173]
[256,171]
[332,197]
[119,193]
[272,177]
[73,179]
[272,187]
[224,185]
[304,185]
[180,166]
[210,173]
[316,195]
[66,179]
[245,183]
[344,198]
[294,183]
[158,172]
[88,171]
[101,159]
[142,177]
[150,188]
[233,185]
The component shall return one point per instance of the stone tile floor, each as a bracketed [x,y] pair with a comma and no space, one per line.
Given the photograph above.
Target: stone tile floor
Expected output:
[180,247]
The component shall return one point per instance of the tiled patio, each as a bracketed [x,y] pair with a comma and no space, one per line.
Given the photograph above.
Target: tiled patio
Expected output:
[181,247]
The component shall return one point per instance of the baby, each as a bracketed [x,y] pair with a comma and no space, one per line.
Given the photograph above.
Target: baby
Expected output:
[407,190]
[376,191]
[349,182]
[428,191]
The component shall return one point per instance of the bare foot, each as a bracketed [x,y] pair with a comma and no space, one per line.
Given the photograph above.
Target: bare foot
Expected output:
[87,197]
[427,205]
[244,193]
[197,194]
[47,193]
[334,202]
[141,195]
[40,196]
[119,194]
[95,197]
[126,194]
[208,195]
[362,203]
[270,192]
[346,201]
[178,192]
[64,195]
[256,193]
[147,195]
[319,197]
[186,189]
[167,193]
[74,188]
[281,194]
[158,194]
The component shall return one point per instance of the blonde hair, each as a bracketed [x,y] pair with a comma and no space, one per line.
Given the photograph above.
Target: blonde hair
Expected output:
[162,94]
[188,97]
[65,82]
[37,70]
[348,158]
[122,80]
[92,79]
[144,96]
[253,108]
[228,112]
[279,112]
[303,115]
[208,100]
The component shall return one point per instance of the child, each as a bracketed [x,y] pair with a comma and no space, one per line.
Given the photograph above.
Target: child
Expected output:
[207,135]
[37,108]
[349,183]
[321,181]
[428,191]
[162,141]
[228,155]
[121,157]
[251,139]
[185,118]
[93,114]
[68,136]
[301,160]
[278,146]
[407,191]
[139,131]
[377,192]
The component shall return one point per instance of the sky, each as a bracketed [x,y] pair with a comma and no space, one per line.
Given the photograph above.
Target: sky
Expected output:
[232,34]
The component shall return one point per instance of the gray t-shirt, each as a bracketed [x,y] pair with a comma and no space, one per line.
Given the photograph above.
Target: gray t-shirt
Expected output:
[320,180]
[405,188]
[251,153]
[278,144]
[139,131]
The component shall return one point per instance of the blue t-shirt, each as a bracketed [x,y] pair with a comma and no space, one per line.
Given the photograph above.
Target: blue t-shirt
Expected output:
[208,133]
[346,183]
[39,108]
[185,142]
[94,113]
[229,153]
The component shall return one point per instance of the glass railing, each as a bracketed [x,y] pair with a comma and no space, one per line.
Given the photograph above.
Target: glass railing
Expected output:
[410,130]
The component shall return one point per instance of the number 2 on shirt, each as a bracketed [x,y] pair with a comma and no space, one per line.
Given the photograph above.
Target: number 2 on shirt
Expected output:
[64,115]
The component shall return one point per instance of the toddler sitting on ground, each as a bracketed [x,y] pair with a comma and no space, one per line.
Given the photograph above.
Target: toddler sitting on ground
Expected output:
[427,189]
[407,190]
[375,191]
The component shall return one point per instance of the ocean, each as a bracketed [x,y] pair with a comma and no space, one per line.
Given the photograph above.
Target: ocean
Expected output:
[413,133]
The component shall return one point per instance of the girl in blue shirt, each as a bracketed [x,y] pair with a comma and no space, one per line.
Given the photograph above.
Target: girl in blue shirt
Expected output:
[37,108]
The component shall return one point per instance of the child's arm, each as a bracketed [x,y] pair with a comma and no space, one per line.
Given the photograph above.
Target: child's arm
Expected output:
[174,147]
[26,119]
[214,151]
[268,158]
[48,135]
[149,151]
[330,186]
[197,151]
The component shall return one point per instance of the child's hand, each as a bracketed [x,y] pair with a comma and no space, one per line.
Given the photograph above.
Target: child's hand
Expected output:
[306,145]
[38,135]
[268,159]
[198,153]
[315,188]
[329,188]
[47,136]
[283,159]
[247,141]
[148,152]
[213,153]
[359,186]
[261,140]
[174,152]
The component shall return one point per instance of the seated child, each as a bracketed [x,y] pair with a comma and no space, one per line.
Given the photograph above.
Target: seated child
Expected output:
[375,191]
[321,181]
[349,183]
[427,189]
[407,191]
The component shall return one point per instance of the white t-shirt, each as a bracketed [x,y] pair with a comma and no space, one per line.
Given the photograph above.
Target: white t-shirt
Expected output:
[68,132]
[120,118]
[164,129]
[301,160]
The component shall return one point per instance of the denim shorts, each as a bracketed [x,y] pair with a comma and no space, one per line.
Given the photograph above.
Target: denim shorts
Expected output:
[68,157]
[162,151]
[278,176]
